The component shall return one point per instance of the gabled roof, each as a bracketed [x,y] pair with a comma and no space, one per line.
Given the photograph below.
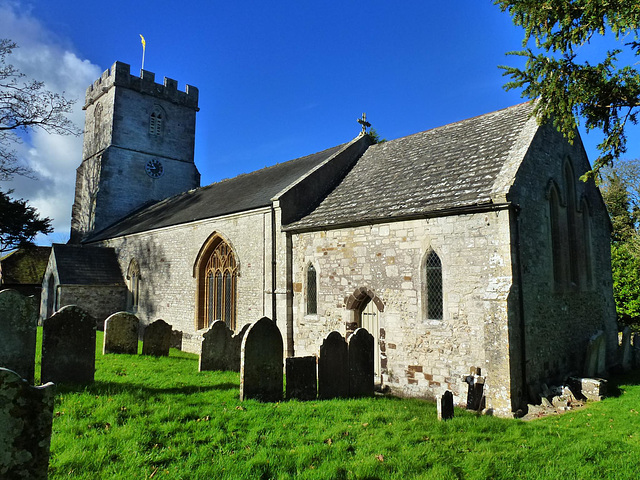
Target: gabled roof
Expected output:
[242,193]
[439,170]
[83,265]
[25,265]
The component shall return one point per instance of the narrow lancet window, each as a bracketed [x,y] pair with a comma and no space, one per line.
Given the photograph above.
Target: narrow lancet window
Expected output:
[433,286]
[312,290]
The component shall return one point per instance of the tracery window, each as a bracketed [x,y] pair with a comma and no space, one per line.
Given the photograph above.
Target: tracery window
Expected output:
[155,121]
[433,286]
[220,277]
[312,290]
[133,282]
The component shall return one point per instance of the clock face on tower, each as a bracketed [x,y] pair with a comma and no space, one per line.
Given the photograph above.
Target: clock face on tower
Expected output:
[154,168]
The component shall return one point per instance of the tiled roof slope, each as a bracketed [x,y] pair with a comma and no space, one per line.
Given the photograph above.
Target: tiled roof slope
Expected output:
[449,167]
[83,265]
[241,193]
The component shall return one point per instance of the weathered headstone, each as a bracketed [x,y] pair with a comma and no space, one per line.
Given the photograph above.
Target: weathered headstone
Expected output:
[475,390]
[18,321]
[361,372]
[596,355]
[215,347]
[333,367]
[234,348]
[69,346]
[302,380]
[261,362]
[26,415]
[176,339]
[627,353]
[121,334]
[156,339]
[445,406]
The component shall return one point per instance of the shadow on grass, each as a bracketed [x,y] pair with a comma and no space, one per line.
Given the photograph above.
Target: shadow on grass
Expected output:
[114,388]
[618,380]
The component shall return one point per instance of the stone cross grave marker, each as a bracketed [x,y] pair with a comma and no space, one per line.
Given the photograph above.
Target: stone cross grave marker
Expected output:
[261,362]
[69,346]
[121,334]
[156,339]
[361,373]
[302,379]
[215,347]
[18,321]
[445,406]
[26,415]
[333,367]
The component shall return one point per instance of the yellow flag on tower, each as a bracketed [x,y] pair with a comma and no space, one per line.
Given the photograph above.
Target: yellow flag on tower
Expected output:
[144,44]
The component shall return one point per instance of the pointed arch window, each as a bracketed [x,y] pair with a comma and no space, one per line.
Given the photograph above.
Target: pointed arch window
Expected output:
[433,286]
[156,120]
[133,282]
[217,273]
[312,290]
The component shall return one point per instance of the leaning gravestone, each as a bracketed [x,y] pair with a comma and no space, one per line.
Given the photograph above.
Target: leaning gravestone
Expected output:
[156,340]
[215,347]
[261,362]
[302,380]
[445,406]
[69,346]
[361,372]
[121,334]
[18,320]
[26,414]
[333,367]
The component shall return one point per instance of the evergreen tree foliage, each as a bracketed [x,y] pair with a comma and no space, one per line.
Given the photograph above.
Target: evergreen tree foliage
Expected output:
[19,223]
[561,74]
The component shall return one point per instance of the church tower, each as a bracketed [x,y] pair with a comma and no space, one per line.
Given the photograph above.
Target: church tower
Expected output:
[139,139]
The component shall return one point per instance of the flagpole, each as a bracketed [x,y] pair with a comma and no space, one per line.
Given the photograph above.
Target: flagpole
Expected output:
[144,45]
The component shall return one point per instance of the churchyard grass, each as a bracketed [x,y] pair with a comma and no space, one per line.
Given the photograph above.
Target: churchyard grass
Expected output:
[147,417]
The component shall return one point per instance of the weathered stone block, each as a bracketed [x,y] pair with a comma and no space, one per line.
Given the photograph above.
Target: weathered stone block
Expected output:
[26,415]
[18,320]
[121,334]
[261,362]
[69,346]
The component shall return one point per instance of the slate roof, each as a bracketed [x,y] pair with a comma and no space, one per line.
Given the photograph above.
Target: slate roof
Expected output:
[84,265]
[445,168]
[241,193]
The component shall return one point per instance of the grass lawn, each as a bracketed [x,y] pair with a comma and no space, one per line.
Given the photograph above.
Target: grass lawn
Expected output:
[159,418]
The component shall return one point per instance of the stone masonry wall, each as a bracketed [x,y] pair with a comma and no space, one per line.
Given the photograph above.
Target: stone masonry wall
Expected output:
[423,357]
[560,319]
[99,301]
[166,258]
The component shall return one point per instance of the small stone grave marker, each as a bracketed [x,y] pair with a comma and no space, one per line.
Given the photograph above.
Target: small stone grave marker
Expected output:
[302,380]
[261,362]
[69,346]
[156,340]
[18,320]
[215,347]
[121,334]
[445,406]
[333,367]
[361,371]
[26,415]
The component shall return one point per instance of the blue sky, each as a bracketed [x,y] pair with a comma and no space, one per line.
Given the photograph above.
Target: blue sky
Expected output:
[277,80]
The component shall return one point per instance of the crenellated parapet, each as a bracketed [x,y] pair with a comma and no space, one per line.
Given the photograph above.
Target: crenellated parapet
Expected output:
[119,75]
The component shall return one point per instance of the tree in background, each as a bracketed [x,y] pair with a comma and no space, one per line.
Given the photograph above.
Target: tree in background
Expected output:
[621,192]
[19,223]
[567,85]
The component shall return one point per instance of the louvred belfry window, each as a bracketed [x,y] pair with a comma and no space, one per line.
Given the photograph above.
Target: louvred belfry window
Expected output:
[220,286]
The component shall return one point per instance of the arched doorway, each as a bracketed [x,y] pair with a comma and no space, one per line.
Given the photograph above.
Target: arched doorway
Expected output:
[365,307]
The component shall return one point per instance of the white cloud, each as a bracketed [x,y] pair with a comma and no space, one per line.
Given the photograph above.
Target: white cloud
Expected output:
[43,56]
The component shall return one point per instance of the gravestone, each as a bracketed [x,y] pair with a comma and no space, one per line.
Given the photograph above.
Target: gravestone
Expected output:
[26,415]
[235,347]
[361,371]
[215,347]
[475,390]
[156,339]
[121,334]
[261,362]
[595,359]
[445,406]
[333,367]
[626,353]
[18,321]
[69,346]
[302,380]
[176,339]
[636,350]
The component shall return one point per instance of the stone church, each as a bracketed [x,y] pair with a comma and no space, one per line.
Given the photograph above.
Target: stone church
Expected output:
[472,245]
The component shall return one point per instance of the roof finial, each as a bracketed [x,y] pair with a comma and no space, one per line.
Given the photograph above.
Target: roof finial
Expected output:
[363,121]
